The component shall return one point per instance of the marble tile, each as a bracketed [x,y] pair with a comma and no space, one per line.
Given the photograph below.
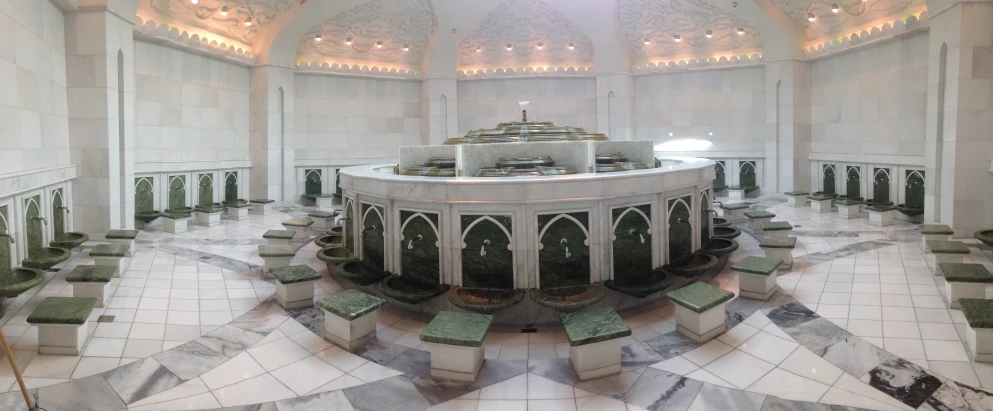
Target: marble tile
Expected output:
[413,362]
[85,394]
[13,401]
[229,341]
[676,365]
[239,368]
[850,384]
[638,355]
[559,369]
[611,386]
[541,388]
[515,388]
[708,352]
[306,375]
[198,401]
[791,315]
[768,348]
[186,389]
[738,309]
[817,334]
[334,400]
[806,364]
[141,379]
[854,355]
[278,353]
[958,397]
[403,396]
[713,398]
[671,344]
[778,404]
[495,371]
[379,351]
[256,390]
[190,360]
[790,386]
[658,390]
[258,322]
[371,371]
[737,335]
[903,380]
[739,368]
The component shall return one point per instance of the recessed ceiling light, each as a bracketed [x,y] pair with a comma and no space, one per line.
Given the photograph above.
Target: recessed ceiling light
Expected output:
[224,10]
[509,47]
[835,8]
[572,46]
[670,134]
[348,41]
[741,31]
[478,49]
[406,47]
[677,38]
[194,1]
[248,21]
[540,45]
[710,33]
[811,17]
[318,38]
[648,41]
[379,44]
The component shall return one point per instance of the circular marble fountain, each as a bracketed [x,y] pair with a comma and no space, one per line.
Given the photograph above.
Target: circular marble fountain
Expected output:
[554,213]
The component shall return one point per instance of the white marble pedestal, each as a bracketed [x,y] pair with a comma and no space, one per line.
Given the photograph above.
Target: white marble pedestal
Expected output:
[701,327]
[324,203]
[349,334]
[757,286]
[261,208]
[295,295]
[175,225]
[849,212]
[736,194]
[98,290]
[980,342]
[880,218]
[454,362]
[956,290]
[821,206]
[796,201]
[237,213]
[596,360]
[119,263]
[784,254]
[208,219]
[61,339]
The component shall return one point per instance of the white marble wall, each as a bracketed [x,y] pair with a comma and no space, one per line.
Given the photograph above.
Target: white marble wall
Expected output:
[189,108]
[34,126]
[344,120]
[871,101]
[730,103]
[564,101]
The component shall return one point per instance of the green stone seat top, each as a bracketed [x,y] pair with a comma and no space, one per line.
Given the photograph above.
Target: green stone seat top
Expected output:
[947,247]
[350,304]
[796,193]
[936,229]
[965,273]
[279,234]
[759,214]
[276,251]
[323,214]
[699,297]
[461,329]
[978,313]
[121,235]
[91,274]
[295,274]
[847,201]
[734,206]
[882,208]
[298,223]
[593,326]
[757,265]
[110,250]
[237,204]
[777,226]
[262,201]
[62,310]
[778,242]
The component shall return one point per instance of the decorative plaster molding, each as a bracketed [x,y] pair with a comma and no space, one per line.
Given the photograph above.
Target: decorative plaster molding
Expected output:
[355,70]
[754,59]
[851,14]
[160,32]
[883,31]
[527,72]
[523,24]
[225,18]
[661,21]
[396,23]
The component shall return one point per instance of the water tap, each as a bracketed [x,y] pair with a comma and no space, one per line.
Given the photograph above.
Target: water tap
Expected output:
[42,219]
[565,243]
[482,250]
[9,237]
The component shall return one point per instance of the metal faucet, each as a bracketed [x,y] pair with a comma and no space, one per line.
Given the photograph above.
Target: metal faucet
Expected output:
[373,227]
[9,237]
[712,211]
[42,219]
[66,209]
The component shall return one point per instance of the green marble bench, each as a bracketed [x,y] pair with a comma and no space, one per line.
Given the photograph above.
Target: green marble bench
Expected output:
[779,248]
[595,341]
[978,315]
[757,218]
[734,212]
[261,205]
[323,219]
[757,276]
[964,280]
[62,324]
[455,341]
[322,200]
[91,281]
[740,192]
[298,225]
[275,256]
[125,237]
[112,255]
[777,228]
[295,285]
[350,317]
[279,237]
[700,310]
[944,251]
[935,232]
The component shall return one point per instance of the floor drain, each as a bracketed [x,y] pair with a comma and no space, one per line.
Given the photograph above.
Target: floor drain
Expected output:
[106,318]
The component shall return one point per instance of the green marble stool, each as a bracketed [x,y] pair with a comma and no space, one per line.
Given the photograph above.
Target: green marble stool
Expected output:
[237,210]
[757,276]
[734,212]
[796,198]
[777,228]
[779,248]
[700,311]
[350,318]
[298,225]
[964,281]
[595,341]
[279,237]
[114,255]
[944,251]
[261,205]
[91,281]
[935,232]
[455,341]
[757,218]
[61,322]
[323,219]
[295,285]
[979,328]
[125,237]
[275,256]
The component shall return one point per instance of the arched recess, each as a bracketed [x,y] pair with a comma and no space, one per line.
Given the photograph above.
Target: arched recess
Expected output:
[420,246]
[373,232]
[33,222]
[144,195]
[205,189]
[632,241]
[563,249]
[58,214]
[230,186]
[853,182]
[487,252]
[6,251]
[829,179]
[680,228]
[177,192]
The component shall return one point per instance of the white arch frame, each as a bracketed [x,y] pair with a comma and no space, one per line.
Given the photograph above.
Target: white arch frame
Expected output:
[613,235]
[373,207]
[629,209]
[457,268]
[465,232]
[57,193]
[540,246]
[918,172]
[41,213]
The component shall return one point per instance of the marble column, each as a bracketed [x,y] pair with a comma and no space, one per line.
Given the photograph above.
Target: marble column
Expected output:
[958,143]
[439,110]
[787,150]
[615,105]
[100,87]
[271,133]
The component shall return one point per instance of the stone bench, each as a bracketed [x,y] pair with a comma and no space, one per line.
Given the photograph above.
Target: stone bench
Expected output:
[777,228]
[757,218]
[125,237]
[796,198]
[455,341]
[595,341]
[237,210]
[734,213]
[700,312]
[279,237]
[779,248]
[91,281]
[821,204]
[321,200]
[61,324]
[935,232]
[964,281]
[275,256]
[298,225]
[112,255]
[740,192]
[757,277]
[261,205]
[208,215]
[881,216]
[350,318]
[295,285]
[323,219]
[944,251]
[979,328]
[175,224]
[848,208]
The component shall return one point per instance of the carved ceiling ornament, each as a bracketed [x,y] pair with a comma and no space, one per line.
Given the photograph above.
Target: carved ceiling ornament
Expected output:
[222,17]
[395,23]
[661,20]
[523,24]
[852,15]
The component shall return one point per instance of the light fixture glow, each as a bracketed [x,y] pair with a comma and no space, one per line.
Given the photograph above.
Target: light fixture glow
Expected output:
[509,47]
[711,133]
[710,33]
[835,8]
[248,21]
[540,45]
[677,38]
[811,17]
[194,1]
[741,30]
[478,49]
[572,46]
[406,47]
[318,38]
[379,44]
[224,11]
[670,134]
[688,144]
[648,41]
[348,41]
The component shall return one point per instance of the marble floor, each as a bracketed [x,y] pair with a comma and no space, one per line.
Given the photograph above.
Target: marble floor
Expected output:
[858,324]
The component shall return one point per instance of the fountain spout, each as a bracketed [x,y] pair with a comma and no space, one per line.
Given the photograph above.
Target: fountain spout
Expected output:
[42,219]
[9,237]
[482,250]
[565,243]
